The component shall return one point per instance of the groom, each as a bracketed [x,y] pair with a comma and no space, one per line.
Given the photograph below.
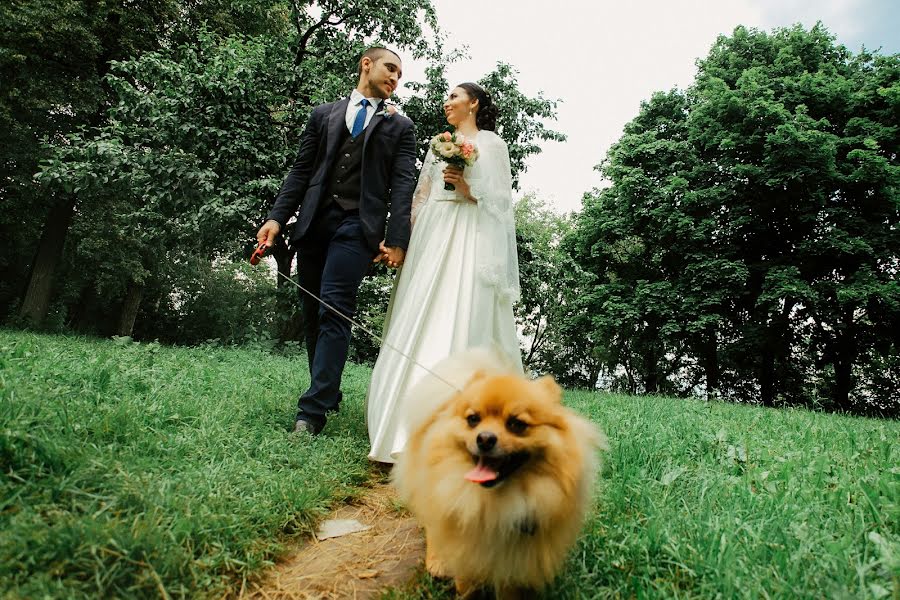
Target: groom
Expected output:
[356,162]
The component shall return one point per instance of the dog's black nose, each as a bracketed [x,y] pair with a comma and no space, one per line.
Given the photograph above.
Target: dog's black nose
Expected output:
[486,440]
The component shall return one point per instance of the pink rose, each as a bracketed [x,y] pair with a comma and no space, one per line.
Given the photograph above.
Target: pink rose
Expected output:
[446,136]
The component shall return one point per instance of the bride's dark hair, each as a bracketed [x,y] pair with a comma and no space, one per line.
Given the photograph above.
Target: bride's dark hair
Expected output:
[486,117]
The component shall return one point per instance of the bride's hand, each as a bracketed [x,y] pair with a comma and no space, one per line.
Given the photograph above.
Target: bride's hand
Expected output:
[454,175]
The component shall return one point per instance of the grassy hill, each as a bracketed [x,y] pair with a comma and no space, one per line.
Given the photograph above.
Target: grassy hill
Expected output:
[135,470]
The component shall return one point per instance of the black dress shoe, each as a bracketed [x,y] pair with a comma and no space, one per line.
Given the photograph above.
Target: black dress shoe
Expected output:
[302,426]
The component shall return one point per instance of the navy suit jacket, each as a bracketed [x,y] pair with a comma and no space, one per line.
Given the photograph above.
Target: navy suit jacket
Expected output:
[388,174]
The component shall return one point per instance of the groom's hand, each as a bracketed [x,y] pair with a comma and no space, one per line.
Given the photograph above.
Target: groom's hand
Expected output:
[392,255]
[266,234]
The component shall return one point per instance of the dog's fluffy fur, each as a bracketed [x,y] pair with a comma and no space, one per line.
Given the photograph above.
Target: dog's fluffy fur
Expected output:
[500,474]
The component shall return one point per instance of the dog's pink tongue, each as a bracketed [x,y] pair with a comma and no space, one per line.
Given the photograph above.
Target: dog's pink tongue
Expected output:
[481,473]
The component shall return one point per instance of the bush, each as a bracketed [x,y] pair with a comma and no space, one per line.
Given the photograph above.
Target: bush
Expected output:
[202,302]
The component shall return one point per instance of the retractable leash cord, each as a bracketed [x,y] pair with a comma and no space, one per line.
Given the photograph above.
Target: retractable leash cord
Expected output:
[261,250]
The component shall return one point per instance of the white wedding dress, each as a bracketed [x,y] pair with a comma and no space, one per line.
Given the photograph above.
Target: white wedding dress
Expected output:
[455,290]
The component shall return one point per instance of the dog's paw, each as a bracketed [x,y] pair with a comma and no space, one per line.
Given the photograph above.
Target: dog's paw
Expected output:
[434,566]
[466,590]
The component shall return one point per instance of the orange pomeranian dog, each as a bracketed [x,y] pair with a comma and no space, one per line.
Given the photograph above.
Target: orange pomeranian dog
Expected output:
[498,473]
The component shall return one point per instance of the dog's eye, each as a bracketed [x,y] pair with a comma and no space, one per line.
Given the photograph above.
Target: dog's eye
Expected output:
[516,426]
[473,420]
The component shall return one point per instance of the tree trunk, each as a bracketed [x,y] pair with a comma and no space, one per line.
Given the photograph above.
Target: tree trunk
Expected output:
[130,309]
[651,369]
[536,342]
[767,377]
[595,375]
[628,365]
[711,362]
[844,356]
[36,302]
[776,347]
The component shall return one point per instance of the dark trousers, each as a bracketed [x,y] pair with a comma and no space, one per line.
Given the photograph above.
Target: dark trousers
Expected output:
[333,257]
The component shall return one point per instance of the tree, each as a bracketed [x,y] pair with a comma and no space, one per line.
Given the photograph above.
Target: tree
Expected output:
[748,242]
[180,166]
[521,122]
[637,237]
[551,313]
[54,57]
[199,135]
[804,136]
[343,25]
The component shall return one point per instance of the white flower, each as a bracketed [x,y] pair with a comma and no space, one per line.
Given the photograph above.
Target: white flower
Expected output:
[389,111]
[447,149]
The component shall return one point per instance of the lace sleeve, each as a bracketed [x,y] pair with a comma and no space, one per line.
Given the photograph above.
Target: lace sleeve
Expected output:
[497,257]
[423,188]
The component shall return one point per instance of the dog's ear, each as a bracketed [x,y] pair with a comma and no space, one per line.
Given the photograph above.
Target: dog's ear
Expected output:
[549,387]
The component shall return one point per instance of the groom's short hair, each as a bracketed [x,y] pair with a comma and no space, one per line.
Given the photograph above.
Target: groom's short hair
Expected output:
[374,54]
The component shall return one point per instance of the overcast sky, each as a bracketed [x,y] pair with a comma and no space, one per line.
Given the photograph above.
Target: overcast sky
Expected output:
[602,58]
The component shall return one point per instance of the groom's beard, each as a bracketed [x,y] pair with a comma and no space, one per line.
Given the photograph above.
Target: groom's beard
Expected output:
[382,89]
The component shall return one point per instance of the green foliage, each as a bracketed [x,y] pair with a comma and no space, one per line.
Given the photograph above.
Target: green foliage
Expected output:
[747,245]
[181,168]
[521,122]
[186,156]
[371,309]
[198,302]
[187,144]
[54,56]
[550,313]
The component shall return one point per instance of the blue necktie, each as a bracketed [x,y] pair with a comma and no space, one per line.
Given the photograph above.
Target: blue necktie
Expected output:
[360,122]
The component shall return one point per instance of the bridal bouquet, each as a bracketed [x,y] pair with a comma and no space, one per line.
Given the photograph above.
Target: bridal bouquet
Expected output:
[455,149]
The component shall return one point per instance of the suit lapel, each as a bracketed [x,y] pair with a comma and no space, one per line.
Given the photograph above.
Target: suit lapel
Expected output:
[377,118]
[336,120]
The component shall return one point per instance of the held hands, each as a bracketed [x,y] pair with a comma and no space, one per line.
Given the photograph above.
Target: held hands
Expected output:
[454,175]
[390,255]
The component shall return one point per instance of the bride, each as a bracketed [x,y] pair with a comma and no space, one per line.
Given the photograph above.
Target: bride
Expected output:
[461,273]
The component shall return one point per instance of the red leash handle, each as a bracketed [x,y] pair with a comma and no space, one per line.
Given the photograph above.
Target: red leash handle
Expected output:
[258,253]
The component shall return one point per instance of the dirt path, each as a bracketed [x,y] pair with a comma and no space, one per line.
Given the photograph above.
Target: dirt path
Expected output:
[357,565]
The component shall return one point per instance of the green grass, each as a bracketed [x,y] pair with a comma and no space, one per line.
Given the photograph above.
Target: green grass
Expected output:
[711,500]
[132,468]
[717,500]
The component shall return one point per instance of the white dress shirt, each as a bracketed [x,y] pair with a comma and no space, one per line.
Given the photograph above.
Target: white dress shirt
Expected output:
[353,107]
